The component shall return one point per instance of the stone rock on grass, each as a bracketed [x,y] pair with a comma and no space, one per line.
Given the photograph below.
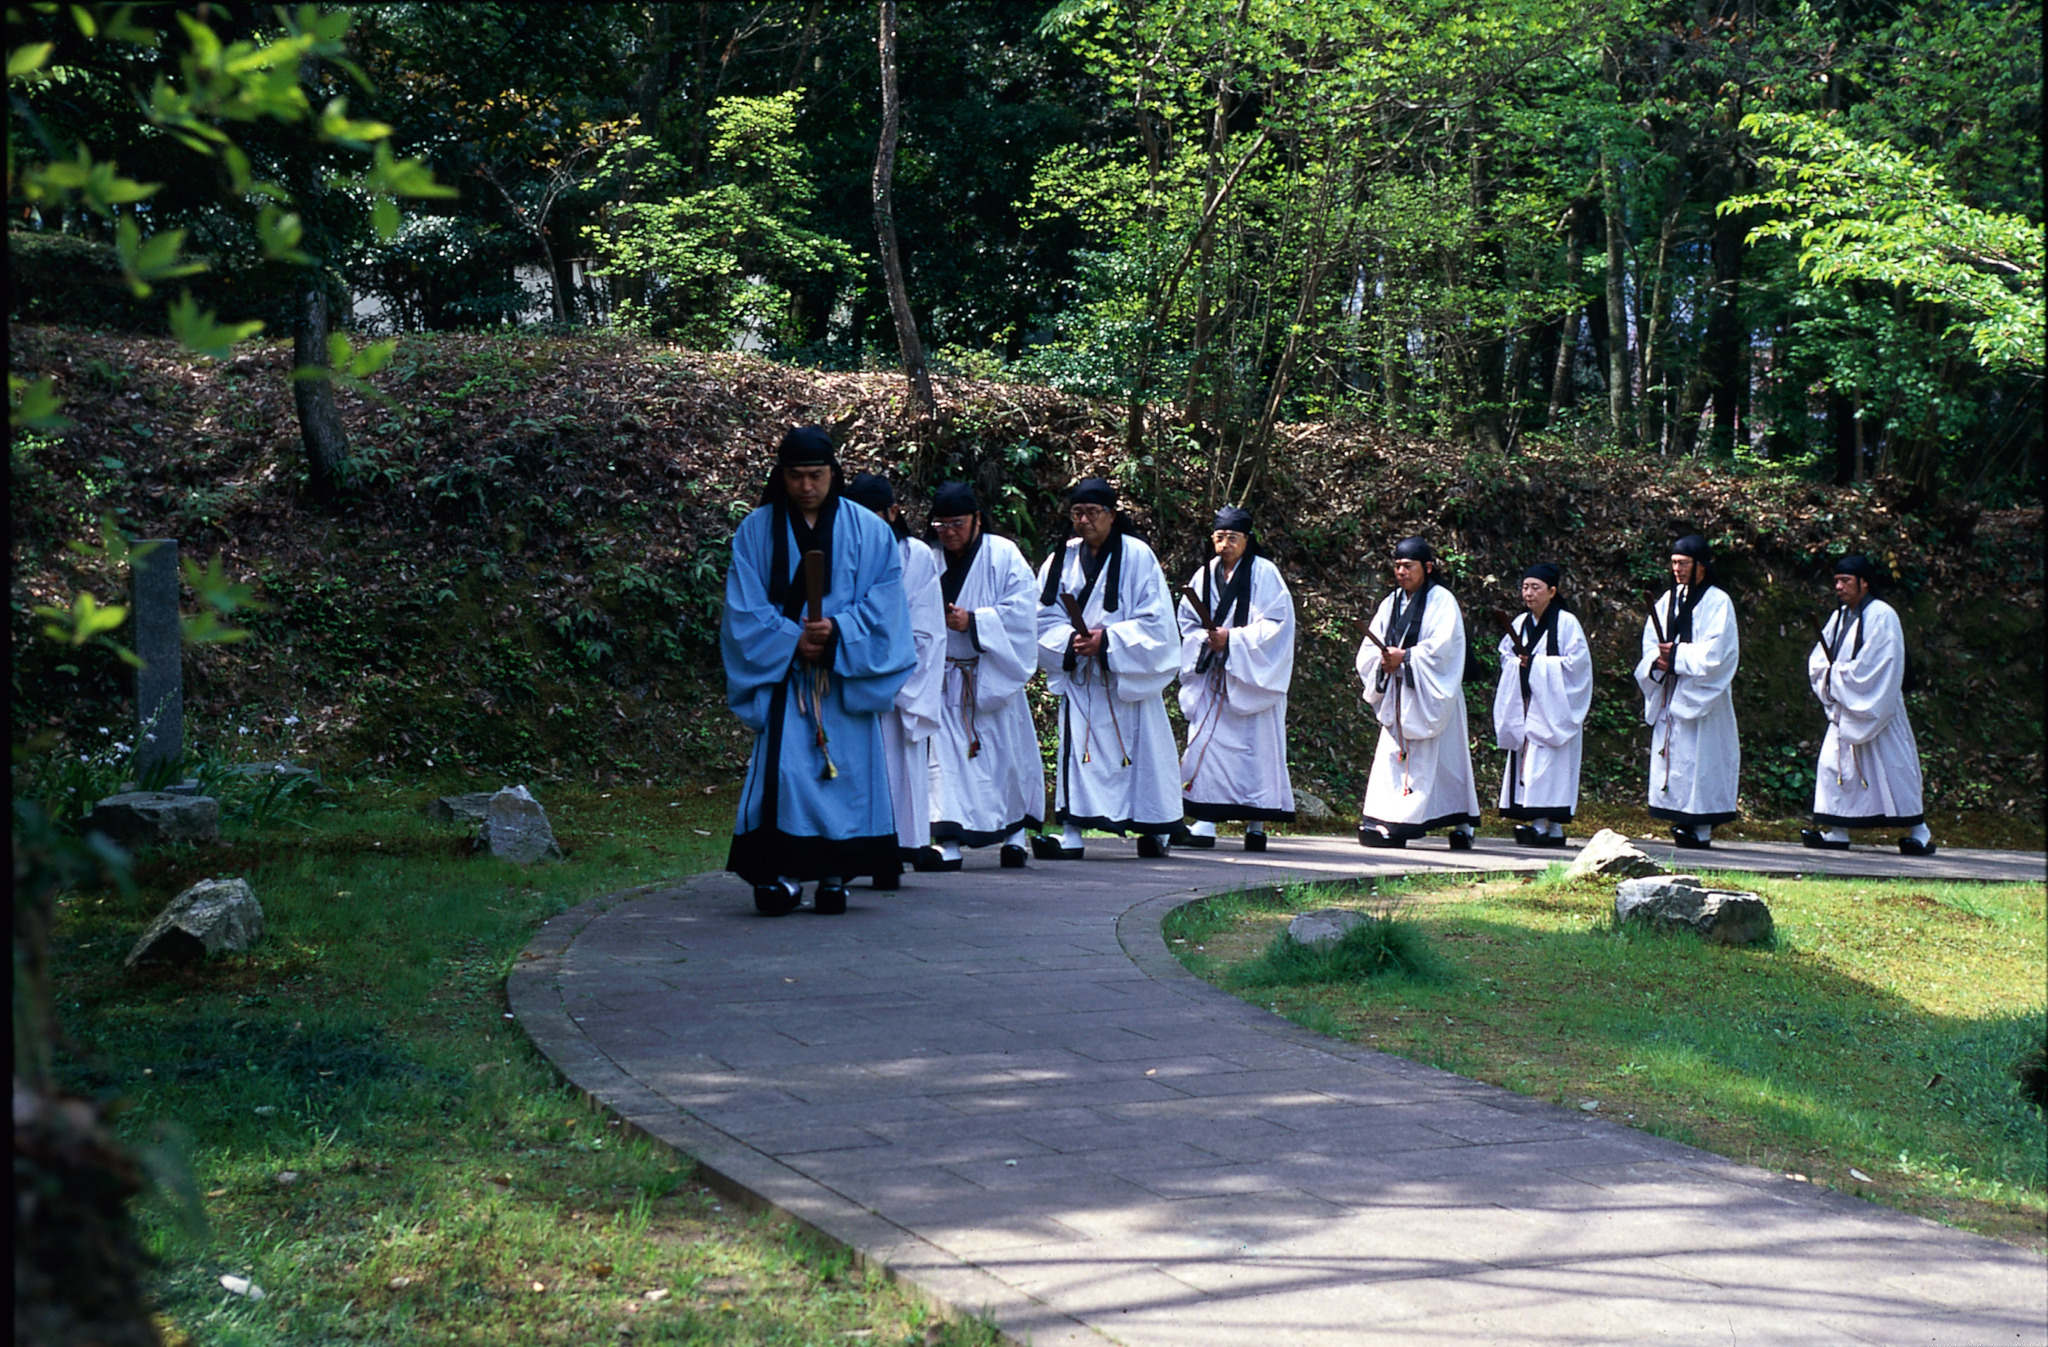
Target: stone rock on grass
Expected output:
[147,817]
[1608,854]
[472,808]
[1309,806]
[1681,902]
[211,916]
[1326,927]
[516,828]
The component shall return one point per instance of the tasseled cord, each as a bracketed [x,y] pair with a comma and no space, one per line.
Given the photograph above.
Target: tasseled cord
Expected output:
[815,681]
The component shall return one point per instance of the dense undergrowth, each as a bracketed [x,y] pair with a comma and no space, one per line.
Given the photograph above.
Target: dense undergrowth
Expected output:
[528,583]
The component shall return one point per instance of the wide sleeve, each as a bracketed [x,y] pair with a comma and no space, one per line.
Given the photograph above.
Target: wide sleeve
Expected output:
[874,652]
[755,640]
[1261,664]
[1706,664]
[1647,677]
[1055,632]
[1142,643]
[1508,718]
[1367,661]
[1869,685]
[1437,662]
[919,699]
[1193,635]
[1560,686]
[1006,628]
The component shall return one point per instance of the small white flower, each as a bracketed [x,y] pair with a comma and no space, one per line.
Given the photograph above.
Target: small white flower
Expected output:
[105,730]
[291,720]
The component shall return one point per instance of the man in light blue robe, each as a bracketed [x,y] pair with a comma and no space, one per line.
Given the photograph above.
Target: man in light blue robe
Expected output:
[816,803]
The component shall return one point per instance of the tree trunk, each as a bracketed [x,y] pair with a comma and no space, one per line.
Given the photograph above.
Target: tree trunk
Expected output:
[885,219]
[1568,336]
[320,426]
[1620,410]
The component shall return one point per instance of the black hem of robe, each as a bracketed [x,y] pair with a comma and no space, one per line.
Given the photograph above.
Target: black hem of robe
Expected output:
[946,830]
[1120,827]
[1871,820]
[1680,816]
[767,854]
[1205,812]
[1562,813]
[1407,832]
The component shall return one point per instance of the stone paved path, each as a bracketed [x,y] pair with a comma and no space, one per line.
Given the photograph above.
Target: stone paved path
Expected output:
[1002,1086]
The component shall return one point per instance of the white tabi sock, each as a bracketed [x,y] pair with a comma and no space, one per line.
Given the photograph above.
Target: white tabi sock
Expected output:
[1203,828]
[1552,828]
[831,882]
[1252,828]
[949,851]
[1071,838]
[1016,839]
[1463,830]
[1920,834]
[1703,831]
[1836,834]
[789,884]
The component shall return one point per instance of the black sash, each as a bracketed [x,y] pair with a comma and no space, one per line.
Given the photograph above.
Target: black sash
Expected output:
[783,592]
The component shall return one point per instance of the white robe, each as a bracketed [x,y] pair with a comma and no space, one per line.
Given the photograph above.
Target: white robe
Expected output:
[1422,716]
[1235,766]
[1118,769]
[1544,737]
[1869,770]
[982,797]
[908,725]
[1693,715]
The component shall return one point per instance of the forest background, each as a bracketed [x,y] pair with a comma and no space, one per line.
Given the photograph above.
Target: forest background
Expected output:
[1561,279]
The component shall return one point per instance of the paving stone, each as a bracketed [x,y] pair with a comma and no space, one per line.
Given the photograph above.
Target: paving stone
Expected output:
[955,1080]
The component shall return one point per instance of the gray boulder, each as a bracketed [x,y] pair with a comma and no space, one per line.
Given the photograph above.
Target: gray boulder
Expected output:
[1608,854]
[1326,927]
[211,916]
[516,828]
[1309,806]
[146,817]
[1681,902]
[473,808]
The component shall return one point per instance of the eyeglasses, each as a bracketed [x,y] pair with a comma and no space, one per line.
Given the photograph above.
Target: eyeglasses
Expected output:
[1227,536]
[953,525]
[1081,514]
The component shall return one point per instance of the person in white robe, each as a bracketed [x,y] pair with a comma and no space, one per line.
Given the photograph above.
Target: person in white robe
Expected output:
[1412,663]
[907,727]
[1117,769]
[1236,662]
[1687,672]
[1869,770]
[988,776]
[1539,711]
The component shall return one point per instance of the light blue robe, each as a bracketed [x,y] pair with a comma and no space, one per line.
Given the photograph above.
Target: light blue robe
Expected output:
[793,821]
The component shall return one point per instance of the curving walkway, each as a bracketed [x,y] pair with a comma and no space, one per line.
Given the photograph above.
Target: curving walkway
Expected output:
[1001,1086]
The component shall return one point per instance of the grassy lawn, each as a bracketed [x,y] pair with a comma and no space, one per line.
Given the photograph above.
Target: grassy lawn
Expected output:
[1866,1049]
[375,1145]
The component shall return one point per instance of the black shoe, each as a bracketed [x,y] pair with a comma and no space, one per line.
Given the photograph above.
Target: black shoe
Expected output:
[830,900]
[1460,841]
[1527,836]
[1685,839]
[1254,841]
[1820,841]
[1012,857]
[929,861]
[1379,837]
[1046,847]
[1909,847]
[888,883]
[1182,837]
[1152,846]
[776,900]
[1548,840]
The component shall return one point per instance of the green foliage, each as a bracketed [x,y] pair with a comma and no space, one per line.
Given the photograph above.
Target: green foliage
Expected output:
[1867,212]
[1381,946]
[724,260]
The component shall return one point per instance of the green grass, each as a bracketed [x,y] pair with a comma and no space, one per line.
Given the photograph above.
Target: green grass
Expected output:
[369,1138]
[1875,1033]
